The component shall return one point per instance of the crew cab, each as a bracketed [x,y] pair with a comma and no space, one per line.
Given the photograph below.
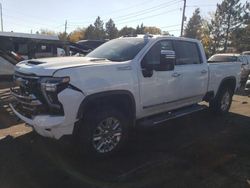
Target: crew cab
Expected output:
[124,83]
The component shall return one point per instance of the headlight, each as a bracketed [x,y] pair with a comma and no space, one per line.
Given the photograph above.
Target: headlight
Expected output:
[54,84]
[50,87]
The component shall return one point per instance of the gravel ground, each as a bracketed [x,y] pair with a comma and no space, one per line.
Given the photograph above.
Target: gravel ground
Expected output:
[198,150]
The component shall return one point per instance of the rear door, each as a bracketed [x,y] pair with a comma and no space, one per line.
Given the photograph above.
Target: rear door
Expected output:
[191,71]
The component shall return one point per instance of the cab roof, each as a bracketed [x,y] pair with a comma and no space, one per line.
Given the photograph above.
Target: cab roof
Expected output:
[150,36]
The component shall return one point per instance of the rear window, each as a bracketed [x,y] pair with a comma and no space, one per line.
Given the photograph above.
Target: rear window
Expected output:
[222,58]
[187,53]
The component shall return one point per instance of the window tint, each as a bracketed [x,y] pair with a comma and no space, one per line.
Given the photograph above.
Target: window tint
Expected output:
[153,55]
[186,53]
[119,49]
[223,58]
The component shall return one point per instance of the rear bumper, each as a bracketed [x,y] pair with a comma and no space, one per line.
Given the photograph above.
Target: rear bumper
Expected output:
[56,126]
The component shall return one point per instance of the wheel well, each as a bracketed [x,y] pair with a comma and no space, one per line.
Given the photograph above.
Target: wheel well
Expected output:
[123,101]
[229,82]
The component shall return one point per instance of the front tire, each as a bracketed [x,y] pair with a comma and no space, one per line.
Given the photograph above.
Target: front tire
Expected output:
[222,102]
[103,132]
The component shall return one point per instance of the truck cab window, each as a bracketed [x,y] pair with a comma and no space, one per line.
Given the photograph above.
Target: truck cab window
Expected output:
[187,53]
[153,55]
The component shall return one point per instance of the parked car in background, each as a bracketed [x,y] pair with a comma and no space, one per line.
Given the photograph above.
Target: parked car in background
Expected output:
[30,46]
[15,47]
[247,88]
[126,82]
[7,63]
[76,49]
[90,45]
[244,60]
[246,53]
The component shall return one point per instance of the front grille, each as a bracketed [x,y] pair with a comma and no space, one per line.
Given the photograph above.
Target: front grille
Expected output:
[28,95]
[30,100]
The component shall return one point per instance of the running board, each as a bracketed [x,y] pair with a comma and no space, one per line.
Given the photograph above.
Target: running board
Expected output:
[163,117]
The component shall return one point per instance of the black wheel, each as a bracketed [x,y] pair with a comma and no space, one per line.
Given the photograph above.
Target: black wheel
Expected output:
[103,132]
[222,103]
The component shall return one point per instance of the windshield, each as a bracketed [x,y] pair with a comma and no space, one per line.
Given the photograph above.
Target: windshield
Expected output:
[223,58]
[119,49]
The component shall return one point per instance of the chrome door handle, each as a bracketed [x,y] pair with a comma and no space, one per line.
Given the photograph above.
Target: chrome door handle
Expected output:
[176,74]
[203,71]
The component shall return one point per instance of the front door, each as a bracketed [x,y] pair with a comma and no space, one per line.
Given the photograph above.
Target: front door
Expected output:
[157,88]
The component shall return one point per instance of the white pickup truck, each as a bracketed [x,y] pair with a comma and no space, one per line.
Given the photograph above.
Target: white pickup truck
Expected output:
[126,82]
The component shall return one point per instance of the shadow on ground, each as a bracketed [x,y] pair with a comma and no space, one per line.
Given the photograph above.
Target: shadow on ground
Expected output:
[198,150]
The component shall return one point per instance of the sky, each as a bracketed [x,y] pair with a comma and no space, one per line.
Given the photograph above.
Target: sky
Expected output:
[28,16]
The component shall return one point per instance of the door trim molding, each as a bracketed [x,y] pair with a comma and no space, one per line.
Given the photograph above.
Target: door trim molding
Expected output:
[163,103]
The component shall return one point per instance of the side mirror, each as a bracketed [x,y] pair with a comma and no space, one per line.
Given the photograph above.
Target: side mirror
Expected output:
[167,60]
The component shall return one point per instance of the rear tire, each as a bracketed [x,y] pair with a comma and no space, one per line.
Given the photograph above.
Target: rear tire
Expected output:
[222,102]
[103,132]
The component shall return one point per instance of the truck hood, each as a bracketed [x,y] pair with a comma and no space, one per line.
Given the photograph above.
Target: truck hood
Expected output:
[47,66]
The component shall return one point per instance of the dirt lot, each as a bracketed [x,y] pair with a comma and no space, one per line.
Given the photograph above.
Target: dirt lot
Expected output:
[199,150]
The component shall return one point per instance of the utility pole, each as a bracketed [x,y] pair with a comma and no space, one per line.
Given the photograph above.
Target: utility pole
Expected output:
[183,17]
[1,14]
[65,30]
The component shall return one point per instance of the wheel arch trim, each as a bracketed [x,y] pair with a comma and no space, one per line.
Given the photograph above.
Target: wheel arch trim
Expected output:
[224,80]
[89,98]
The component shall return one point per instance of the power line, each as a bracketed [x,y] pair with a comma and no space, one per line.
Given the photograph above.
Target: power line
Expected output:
[202,5]
[140,12]
[151,16]
[133,6]
[149,10]
[137,19]
[176,25]
[173,30]
[122,19]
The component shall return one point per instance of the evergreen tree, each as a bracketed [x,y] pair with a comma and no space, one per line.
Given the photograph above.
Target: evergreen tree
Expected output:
[140,29]
[240,37]
[111,30]
[99,32]
[216,32]
[127,31]
[194,25]
[89,33]
[230,16]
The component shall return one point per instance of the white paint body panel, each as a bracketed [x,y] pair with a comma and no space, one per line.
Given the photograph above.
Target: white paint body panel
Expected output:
[100,76]
[58,125]
[219,71]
